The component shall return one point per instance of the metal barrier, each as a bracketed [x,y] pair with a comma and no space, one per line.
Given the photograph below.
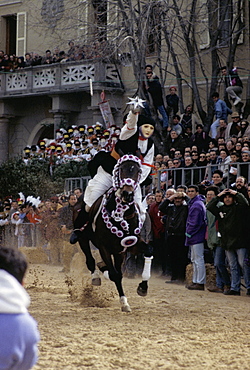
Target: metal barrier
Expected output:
[75,182]
[24,235]
[195,175]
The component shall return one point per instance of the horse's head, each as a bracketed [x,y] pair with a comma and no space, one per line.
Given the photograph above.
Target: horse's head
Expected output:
[126,177]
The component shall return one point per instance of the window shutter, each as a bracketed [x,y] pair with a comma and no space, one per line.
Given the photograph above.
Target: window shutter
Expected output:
[21,34]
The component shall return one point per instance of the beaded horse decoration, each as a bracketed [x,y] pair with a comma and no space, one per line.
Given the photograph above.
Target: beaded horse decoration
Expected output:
[116,220]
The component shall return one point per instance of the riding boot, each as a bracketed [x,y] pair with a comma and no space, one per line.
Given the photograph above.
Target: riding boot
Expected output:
[79,225]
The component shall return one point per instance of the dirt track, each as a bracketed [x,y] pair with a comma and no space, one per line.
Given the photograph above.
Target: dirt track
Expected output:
[171,328]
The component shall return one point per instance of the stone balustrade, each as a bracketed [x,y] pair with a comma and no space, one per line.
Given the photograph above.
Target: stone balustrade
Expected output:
[60,77]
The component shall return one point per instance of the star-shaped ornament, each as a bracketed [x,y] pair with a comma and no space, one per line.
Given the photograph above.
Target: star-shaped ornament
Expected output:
[136,103]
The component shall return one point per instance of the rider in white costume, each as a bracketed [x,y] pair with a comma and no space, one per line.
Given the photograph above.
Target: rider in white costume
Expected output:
[135,138]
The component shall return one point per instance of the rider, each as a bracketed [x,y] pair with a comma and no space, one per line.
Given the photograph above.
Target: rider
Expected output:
[135,138]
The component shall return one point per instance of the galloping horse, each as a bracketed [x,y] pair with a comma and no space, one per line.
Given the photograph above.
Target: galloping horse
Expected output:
[114,226]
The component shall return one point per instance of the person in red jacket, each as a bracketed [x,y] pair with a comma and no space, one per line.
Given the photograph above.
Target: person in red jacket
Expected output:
[158,231]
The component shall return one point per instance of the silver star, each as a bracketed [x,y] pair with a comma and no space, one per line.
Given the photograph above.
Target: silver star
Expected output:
[136,102]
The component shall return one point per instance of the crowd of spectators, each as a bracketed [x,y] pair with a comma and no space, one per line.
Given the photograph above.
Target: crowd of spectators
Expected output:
[76,143]
[199,155]
[172,226]
[32,222]
[98,49]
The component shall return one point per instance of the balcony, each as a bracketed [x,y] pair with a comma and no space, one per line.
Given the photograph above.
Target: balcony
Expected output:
[60,77]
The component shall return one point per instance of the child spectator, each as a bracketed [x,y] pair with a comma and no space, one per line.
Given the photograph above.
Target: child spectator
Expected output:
[19,334]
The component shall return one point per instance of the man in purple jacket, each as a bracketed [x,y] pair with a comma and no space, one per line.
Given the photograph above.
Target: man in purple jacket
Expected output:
[195,236]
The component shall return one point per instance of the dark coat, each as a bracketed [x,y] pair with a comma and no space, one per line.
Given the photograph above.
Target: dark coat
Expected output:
[177,143]
[175,217]
[155,90]
[232,223]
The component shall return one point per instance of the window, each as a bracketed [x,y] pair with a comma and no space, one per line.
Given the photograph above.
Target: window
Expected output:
[153,20]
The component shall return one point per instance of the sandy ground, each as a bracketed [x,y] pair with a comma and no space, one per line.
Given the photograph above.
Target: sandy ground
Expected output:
[82,327]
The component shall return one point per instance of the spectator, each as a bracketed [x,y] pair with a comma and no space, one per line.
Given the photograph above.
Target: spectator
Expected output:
[51,230]
[217,179]
[230,208]
[175,210]
[176,125]
[177,175]
[154,88]
[158,232]
[1,58]
[172,101]
[213,160]
[174,141]
[148,200]
[47,59]
[200,138]
[182,188]
[195,157]
[244,129]
[195,236]
[65,222]
[190,176]
[245,167]
[21,63]
[20,230]
[222,129]
[6,63]
[241,186]
[233,84]
[234,158]
[188,119]
[213,241]
[230,146]
[233,128]
[223,161]
[36,60]
[19,334]
[221,112]
[28,60]
[159,158]
[71,51]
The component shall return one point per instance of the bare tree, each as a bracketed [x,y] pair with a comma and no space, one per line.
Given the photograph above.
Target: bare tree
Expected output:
[168,32]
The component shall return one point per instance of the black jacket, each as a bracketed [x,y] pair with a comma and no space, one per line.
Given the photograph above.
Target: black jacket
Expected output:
[175,218]
[232,221]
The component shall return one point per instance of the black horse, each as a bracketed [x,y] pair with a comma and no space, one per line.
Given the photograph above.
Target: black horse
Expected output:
[114,226]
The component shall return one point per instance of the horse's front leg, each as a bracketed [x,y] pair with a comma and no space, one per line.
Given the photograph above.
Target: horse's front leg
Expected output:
[142,289]
[118,260]
[115,275]
[90,261]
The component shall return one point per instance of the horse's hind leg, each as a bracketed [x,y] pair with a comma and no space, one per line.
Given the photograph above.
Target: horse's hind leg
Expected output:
[90,261]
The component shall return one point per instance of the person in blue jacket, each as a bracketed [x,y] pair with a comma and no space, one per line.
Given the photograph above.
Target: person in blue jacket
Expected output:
[18,330]
[221,111]
[195,236]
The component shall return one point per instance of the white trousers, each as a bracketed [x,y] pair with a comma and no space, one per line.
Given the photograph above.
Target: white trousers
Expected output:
[100,183]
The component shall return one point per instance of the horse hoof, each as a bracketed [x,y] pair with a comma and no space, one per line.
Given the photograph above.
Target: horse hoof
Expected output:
[126,308]
[142,291]
[96,281]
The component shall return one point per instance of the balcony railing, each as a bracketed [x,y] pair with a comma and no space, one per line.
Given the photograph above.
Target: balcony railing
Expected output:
[59,77]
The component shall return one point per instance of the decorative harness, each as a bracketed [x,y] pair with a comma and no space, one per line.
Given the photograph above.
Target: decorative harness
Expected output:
[116,220]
